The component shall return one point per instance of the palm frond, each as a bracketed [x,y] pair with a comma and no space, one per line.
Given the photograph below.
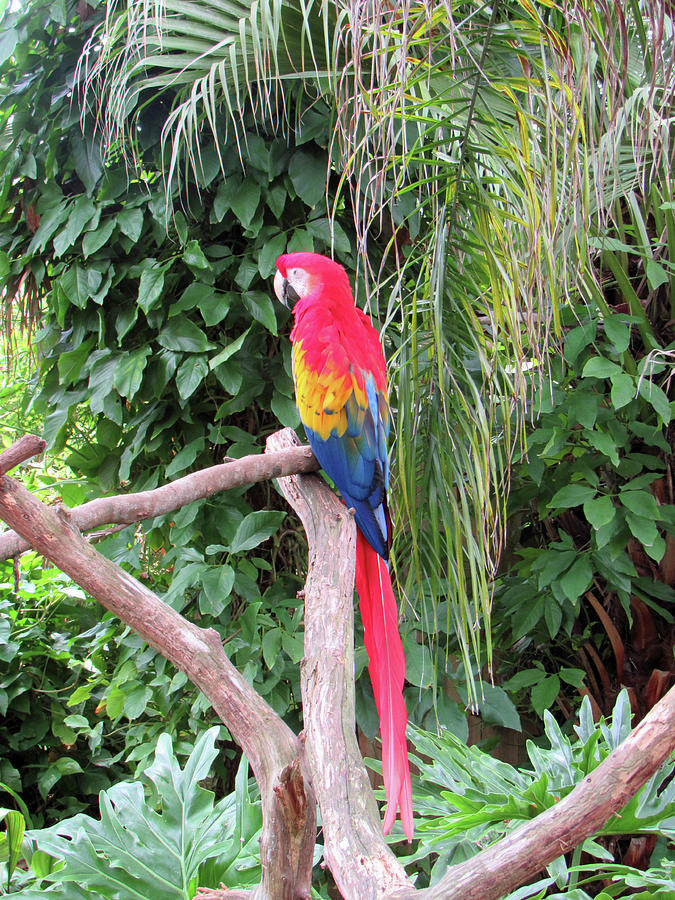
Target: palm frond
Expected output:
[212,60]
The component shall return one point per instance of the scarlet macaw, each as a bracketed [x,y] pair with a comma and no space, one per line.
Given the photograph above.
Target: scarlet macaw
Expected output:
[341,393]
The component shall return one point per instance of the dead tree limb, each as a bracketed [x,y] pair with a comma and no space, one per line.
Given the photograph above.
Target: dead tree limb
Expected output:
[275,753]
[125,509]
[354,847]
[27,446]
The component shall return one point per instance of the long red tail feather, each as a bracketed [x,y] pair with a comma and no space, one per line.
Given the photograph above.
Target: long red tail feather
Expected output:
[387,670]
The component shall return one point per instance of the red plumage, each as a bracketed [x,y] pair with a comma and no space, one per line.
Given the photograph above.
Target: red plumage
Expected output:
[341,392]
[386,667]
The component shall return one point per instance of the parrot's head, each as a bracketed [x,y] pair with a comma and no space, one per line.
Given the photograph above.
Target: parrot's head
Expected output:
[311,277]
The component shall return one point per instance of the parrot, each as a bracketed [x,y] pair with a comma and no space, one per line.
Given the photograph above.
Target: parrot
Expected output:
[339,372]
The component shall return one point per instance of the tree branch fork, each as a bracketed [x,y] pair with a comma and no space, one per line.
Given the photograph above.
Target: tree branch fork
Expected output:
[322,765]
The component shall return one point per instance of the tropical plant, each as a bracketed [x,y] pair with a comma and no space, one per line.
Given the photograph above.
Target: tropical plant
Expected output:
[468,800]
[166,845]
[481,141]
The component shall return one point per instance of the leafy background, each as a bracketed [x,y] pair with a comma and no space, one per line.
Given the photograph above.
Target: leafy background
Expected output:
[523,279]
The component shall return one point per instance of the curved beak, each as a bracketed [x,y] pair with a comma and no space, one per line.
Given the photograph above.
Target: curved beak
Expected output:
[280,287]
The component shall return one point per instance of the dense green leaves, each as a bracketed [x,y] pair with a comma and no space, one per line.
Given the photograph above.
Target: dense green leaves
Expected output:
[467,800]
[166,847]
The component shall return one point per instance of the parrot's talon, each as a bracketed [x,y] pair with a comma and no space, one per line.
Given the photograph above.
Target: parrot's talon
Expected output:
[351,511]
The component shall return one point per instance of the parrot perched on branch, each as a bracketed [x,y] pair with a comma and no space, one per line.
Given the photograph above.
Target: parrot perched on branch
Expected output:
[341,394]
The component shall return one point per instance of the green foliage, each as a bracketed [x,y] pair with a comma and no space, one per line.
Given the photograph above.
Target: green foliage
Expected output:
[159,353]
[592,493]
[166,845]
[468,800]
[53,640]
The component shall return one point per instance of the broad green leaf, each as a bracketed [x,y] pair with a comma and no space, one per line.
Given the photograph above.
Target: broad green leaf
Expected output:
[273,247]
[271,645]
[130,223]
[190,375]
[217,584]
[183,334]
[543,694]
[8,41]
[656,274]
[577,579]
[618,333]
[256,528]
[522,679]
[573,676]
[308,174]
[623,390]
[497,708]
[577,339]
[261,308]
[15,826]
[419,664]
[642,503]
[63,766]
[150,287]
[129,370]
[193,256]
[571,495]
[94,240]
[604,443]
[599,511]
[82,211]
[653,394]
[79,284]
[599,367]
[181,461]
[214,307]
[334,237]
[49,222]
[285,410]
[244,201]
[228,351]
[87,159]
[135,700]
[643,529]
[70,362]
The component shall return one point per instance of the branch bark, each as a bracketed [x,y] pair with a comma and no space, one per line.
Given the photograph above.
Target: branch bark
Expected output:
[275,753]
[27,446]
[125,509]
[354,847]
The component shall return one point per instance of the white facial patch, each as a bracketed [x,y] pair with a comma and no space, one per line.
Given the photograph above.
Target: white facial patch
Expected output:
[299,280]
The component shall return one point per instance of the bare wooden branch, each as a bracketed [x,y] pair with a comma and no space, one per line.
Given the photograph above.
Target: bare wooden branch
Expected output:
[223,894]
[125,509]
[354,847]
[275,753]
[26,447]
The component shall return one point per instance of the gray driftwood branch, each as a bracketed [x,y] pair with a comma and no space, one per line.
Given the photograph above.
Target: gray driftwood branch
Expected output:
[276,755]
[125,509]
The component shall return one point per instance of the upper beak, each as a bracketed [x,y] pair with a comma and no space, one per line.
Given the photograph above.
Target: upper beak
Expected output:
[280,287]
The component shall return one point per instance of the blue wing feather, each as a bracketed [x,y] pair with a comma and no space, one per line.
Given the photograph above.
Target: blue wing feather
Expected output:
[357,463]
